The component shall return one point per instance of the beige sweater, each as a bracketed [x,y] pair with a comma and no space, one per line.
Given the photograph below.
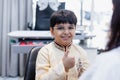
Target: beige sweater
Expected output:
[49,65]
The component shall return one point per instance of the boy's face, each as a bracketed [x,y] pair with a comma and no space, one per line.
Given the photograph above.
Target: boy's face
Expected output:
[63,33]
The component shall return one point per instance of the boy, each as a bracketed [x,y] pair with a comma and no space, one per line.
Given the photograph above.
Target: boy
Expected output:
[61,59]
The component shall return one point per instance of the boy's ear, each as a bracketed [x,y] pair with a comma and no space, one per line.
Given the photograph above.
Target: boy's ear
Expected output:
[51,30]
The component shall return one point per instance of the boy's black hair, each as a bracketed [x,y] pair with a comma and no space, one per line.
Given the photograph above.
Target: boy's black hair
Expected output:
[63,16]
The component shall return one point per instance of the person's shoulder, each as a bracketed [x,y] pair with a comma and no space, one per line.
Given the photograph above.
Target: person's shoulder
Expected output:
[79,48]
[109,57]
[112,53]
[115,50]
[47,47]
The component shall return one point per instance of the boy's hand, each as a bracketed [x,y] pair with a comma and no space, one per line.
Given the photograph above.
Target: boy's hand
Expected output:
[68,61]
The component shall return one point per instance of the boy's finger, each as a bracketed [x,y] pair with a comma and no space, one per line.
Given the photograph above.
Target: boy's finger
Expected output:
[66,53]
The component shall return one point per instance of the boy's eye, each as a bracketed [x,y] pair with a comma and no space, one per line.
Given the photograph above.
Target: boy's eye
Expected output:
[60,28]
[71,28]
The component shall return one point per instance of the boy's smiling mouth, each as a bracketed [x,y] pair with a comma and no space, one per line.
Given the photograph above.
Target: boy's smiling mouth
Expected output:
[65,37]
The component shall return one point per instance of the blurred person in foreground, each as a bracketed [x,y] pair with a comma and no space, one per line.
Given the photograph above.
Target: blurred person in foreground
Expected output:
[107,64]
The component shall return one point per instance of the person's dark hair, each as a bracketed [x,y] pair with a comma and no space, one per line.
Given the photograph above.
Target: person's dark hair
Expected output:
[63,16]
[114,40]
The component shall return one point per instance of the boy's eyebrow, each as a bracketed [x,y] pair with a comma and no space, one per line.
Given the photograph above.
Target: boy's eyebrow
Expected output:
[62,24]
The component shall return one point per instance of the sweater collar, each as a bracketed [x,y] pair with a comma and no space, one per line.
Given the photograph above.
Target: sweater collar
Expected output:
[61,47]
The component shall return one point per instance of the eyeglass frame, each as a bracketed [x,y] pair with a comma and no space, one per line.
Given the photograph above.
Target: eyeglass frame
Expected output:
[71,28]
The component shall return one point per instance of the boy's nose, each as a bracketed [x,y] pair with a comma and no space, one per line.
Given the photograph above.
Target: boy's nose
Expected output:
[66,31]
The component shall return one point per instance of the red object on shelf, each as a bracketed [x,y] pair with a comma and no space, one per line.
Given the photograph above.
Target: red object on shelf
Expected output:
[22,43]
[30,43]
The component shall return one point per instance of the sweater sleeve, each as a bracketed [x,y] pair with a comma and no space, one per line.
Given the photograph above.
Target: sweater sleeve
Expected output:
[84,61]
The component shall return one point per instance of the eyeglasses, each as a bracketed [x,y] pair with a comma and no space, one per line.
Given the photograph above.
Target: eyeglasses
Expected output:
[63,29]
